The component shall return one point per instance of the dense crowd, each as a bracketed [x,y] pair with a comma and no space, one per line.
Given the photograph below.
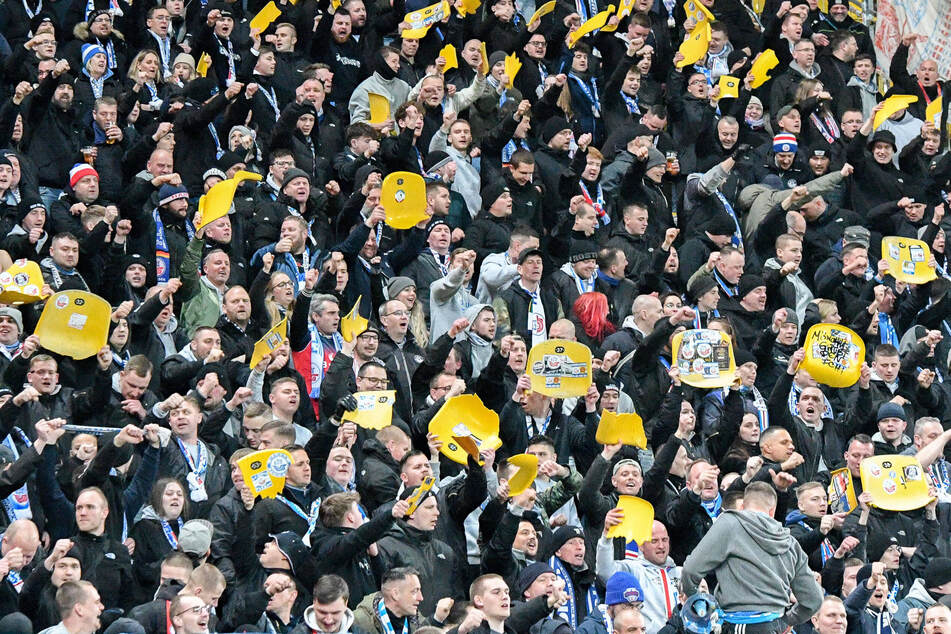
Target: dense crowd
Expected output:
[606,189]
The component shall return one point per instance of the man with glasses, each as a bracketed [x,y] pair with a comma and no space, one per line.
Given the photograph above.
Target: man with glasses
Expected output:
[98,30]
[400,353]
[531,78]
[189,614]
[156,37]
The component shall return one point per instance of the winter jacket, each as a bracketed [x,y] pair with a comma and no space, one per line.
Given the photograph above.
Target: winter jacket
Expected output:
[343,551]
[436,562]
[379,478]
[365,618]
[659,583]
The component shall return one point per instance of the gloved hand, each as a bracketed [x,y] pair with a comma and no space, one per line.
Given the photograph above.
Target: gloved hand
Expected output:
[741,152]
[346,404]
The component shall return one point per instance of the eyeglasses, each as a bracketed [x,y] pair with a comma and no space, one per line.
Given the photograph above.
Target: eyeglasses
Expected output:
[541,43]
[369,337]
[442,389]
[696,82]
[284,284]
[398,313]
[284,163]
[376,381]
[198,609]
[103,19]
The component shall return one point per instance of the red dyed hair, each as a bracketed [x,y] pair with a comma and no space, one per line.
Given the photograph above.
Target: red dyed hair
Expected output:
[592,311]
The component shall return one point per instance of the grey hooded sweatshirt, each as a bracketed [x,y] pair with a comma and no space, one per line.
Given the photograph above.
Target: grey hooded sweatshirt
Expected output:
[757,563]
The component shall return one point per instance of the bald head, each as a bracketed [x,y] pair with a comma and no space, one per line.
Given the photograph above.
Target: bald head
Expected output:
[160,163]
[21,534]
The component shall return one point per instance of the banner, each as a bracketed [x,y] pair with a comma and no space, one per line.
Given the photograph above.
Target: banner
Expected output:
[930,18]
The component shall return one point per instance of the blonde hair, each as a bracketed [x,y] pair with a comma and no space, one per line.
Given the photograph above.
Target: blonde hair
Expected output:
[134,66]
[272,307]
[826,307]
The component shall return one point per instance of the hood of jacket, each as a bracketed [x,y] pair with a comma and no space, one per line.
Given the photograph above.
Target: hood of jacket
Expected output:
[311,620]
[766,532]
[376,449]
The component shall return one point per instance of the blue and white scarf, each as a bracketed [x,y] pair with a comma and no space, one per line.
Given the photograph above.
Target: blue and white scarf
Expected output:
[162,258]
[310,518]
[17,504]
[569,611]
[317,358]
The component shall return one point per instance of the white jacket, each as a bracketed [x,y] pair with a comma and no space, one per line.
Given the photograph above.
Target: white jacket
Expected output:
[659,583]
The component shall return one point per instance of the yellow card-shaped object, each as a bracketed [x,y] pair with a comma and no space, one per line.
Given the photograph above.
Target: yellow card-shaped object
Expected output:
[203,65]
[74,324]
[512,66]
[425,486]
[896,483]
[695,47]
[415,34]
[890,106]
[704,358]
[420,21]
[217,202]
[842,492]
[823,5]
[466,416]
[834,355]
[592,24]
[616,428]
[374,409]
[638,523]
[908,259]
[353,324]
[265,16]
[21,283]
[933,111]
[560,368]
[379,108]
[484,64]
[403,196]
[469,7]
[764,62]
[448,53]
[270,342]
[694,9]
[542,11]
[625,8]
[527,470]
[729,87]
[264,471]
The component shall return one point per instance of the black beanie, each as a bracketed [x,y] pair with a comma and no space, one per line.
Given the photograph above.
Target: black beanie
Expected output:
[748,282]
[700,285]
[552,127]
[937,572]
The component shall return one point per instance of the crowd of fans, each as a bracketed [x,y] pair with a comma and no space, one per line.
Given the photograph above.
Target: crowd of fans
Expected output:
[609,193]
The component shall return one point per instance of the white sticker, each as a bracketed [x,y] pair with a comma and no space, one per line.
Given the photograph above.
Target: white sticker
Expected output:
[77,321]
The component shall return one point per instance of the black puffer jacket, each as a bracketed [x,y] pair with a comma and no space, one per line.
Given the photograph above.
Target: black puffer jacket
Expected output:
[343,551]
[433,558]
[379,479]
